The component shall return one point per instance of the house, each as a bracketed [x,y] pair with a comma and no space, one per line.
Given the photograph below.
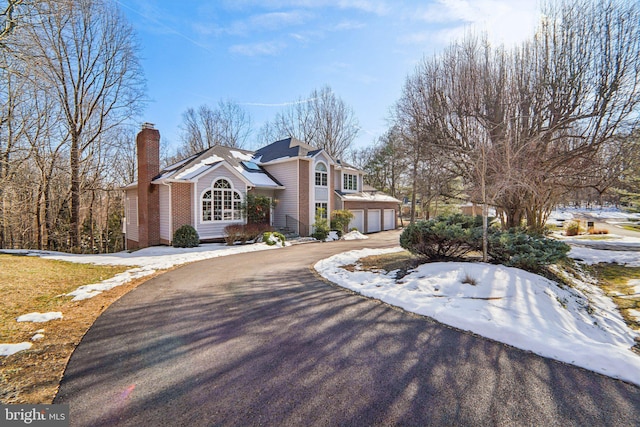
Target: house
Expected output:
[207,191]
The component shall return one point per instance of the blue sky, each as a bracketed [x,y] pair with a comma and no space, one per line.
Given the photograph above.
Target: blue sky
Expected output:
[264,54]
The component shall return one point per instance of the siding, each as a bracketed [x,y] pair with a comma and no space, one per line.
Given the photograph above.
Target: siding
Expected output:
[132,215]
[287,174]
[165,214]
[214,229]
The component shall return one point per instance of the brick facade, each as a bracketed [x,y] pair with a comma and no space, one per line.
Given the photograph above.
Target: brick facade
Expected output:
[181,205]
[148,147]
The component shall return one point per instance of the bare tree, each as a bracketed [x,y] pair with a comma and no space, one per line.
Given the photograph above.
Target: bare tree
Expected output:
[523,126]
[322,120]
[86,52]
[228,124]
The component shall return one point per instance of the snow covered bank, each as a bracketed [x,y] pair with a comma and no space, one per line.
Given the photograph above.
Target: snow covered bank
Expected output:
[581,327]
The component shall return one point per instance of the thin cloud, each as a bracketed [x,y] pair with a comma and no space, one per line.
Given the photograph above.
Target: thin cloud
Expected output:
[378,7]
[258,49]
[503,20]
[281,104]
[158,19]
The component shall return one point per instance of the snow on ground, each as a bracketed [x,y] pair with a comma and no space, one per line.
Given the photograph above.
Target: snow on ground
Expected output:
[156,257]
[568,213]
[595,256]
[40,317]
[9,349]
[577,326]
[354,235]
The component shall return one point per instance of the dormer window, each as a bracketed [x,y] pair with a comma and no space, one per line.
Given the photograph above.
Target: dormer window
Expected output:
[349,182]
[321,175]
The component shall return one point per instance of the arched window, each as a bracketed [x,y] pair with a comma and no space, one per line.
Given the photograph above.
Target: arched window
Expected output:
[206,206]
[222,203]
[321,175]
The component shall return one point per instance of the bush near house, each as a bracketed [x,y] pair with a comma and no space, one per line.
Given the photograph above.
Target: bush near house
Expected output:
[232,233]
[257,209]
[320,227]
[186,237]
[273,237]
[340,220]
[244,232]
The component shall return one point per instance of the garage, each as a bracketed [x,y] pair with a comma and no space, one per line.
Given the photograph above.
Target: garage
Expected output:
[389,219]
[373,220]
[357,221]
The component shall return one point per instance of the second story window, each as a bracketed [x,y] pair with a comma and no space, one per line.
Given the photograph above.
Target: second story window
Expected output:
[350,182]
[321,175]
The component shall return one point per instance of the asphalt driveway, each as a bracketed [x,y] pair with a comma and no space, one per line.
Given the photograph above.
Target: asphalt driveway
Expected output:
[258,339]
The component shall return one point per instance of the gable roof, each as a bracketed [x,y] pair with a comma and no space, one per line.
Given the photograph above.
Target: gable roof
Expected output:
[287,148]
[238,160]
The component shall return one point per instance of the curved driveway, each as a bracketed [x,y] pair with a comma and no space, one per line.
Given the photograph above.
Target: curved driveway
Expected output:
[258,339]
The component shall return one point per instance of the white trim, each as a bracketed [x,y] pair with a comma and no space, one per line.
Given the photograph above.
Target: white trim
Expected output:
[211,188]
[170,213]
[348,190]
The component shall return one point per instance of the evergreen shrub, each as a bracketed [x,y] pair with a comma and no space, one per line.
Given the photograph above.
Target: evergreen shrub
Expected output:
[186,237]
[273,237]
[516,248]
[446,236]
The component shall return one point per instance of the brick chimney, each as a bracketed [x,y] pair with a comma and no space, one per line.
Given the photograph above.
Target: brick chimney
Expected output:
[148,147]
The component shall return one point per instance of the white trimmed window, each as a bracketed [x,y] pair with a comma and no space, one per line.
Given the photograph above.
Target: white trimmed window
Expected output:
[349,182]
[321,208]
[321,175]
[206,206]
[223,203]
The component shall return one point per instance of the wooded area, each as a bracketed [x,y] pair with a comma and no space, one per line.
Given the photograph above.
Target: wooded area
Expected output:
[552,120]
[71,81]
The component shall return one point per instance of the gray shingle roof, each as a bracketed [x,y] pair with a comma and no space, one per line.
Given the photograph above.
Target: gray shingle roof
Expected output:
[284,149]
[204,161]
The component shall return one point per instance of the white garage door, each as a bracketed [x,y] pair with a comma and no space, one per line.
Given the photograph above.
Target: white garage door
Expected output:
[389,219]
[373,220]
[357,221]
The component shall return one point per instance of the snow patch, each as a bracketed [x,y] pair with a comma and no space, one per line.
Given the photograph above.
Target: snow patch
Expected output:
[595,256]
[354,235]
[577,325]
[39,317]
[333,235]
[9,349]
[199,167]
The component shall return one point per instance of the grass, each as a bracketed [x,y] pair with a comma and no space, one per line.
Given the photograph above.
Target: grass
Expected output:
[30,284]
[614,279]
[596,237]
[631,227]
[403,262]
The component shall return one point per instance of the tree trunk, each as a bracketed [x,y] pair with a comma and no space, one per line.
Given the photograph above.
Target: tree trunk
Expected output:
[74,226]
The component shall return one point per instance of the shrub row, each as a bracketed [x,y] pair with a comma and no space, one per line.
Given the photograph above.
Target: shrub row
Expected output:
[243,232]
[453,236]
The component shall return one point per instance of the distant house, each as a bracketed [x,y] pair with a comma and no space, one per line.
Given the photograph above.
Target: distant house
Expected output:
[207,191]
